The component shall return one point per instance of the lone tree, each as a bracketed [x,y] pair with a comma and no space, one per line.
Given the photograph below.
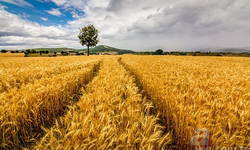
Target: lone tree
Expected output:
[88,36]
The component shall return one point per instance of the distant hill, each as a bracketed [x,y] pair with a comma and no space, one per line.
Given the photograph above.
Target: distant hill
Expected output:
[97,49]
[104,48]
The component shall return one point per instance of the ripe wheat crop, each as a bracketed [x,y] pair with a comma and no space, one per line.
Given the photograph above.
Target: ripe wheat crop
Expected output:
[4,55]
[198,92]
[123,102]
[40,93]
[111,114]
[20,72]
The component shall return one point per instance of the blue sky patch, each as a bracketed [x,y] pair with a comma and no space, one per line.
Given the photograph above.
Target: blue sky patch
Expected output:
[39,13]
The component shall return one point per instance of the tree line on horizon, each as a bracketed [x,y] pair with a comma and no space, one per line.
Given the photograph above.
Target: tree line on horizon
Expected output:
[196,53]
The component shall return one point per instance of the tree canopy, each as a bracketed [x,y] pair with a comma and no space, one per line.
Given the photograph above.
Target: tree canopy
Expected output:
[158,52]
[3,51]
[88,36]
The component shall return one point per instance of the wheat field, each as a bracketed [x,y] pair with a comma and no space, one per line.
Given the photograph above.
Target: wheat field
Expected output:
[198,92]
[123,102]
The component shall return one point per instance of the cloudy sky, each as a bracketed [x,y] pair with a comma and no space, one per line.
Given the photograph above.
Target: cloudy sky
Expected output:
[140,25]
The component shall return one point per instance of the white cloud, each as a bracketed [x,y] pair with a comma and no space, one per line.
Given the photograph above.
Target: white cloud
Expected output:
[17,33]
[18,3]
[44,19]
[59,2]
[139,24]
[24,16]
[145,24]
[55,12]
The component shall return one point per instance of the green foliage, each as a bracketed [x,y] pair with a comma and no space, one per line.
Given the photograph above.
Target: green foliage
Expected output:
[27,51]
[97,49]
[144,53]
[104,48]
[54,49]
[33,51]
[183,53]
[3,51]
[174,53]
[158,52]
[88,36]
[65,54]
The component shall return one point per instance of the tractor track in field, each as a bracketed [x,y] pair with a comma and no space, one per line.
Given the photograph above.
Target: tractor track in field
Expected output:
[141,90]
[155,110]
[75,98]
[130,118]
[139,85]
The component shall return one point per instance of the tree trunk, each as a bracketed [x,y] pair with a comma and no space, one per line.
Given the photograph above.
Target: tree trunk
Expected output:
[88,50]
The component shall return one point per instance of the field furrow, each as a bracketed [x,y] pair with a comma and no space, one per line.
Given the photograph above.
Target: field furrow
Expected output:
[25,111]
[111,114]
[198,92]
[125,102]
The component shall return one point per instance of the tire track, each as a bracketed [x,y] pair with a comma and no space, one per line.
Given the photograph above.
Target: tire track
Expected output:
[111,114]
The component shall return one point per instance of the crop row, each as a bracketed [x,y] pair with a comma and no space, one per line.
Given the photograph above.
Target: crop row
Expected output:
[111,114]
[19,73]
[26,110]
[198,92]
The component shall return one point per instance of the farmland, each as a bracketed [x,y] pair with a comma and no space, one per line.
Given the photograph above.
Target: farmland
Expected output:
[123,102]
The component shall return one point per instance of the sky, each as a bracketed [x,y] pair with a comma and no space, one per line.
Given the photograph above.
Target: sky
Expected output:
[140,25]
